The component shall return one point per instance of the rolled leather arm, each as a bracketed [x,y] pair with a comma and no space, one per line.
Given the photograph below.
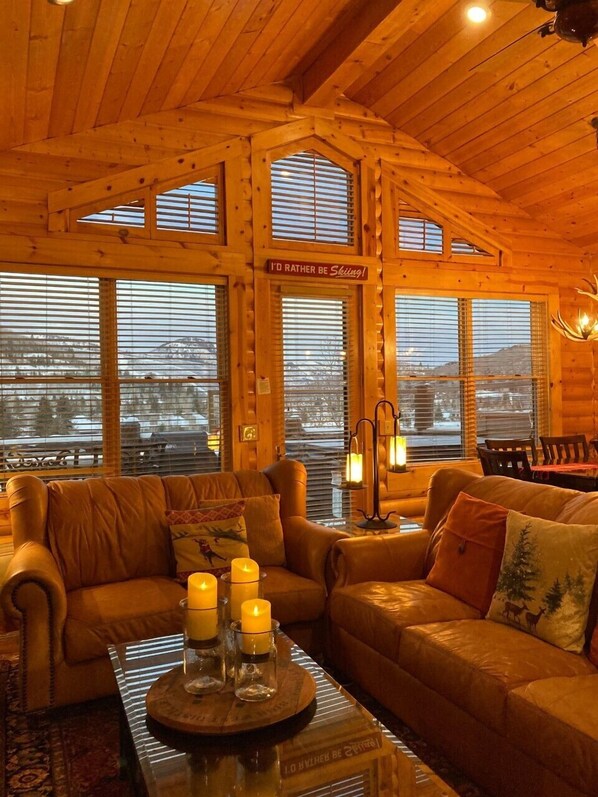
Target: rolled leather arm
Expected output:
[34,588]
[307,546]
[386,557]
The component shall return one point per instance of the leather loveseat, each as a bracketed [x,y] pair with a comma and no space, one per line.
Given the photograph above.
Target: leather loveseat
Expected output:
[518,715]
[111,578]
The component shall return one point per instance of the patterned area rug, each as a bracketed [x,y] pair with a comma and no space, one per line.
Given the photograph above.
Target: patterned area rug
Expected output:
[74,751]
[70,752]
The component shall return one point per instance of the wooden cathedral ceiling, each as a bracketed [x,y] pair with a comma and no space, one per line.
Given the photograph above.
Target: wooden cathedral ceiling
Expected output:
[508,107]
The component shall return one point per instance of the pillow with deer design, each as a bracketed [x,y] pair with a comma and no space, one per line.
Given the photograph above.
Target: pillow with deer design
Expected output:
[546,579]
[207,539]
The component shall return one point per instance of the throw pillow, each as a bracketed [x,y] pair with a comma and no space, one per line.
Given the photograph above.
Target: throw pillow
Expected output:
[470,551]
[546,578]
[264,529]
[207,539]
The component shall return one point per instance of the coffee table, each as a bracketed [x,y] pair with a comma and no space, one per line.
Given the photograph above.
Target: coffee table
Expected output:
[335,746]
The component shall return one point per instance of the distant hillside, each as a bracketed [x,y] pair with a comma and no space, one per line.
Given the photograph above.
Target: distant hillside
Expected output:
[510,360]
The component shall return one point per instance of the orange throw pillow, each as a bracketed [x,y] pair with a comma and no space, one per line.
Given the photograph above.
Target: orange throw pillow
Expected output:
[470,551]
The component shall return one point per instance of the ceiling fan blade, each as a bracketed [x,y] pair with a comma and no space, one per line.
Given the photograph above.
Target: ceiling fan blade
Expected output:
[507,46]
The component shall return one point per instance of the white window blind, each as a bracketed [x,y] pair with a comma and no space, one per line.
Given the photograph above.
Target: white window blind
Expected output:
[50,368]
[469,369]
[172,367]
[315,340]
[131,214]
[460,246]
[312,200]
[417,233]
[86,362]
[190,208]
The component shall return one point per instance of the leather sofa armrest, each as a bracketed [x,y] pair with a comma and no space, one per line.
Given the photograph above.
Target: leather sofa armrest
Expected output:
[307,546]
[34,593]
[385,557]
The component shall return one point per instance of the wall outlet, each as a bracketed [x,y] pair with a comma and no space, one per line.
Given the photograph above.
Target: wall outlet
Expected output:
[386,428]
[248,433]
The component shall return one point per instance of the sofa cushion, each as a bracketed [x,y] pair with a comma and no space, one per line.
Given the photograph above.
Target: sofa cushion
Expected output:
[476,663]
[470,551]
[556,720]
[377,612]
[187,492]
[264,528]
[294,599]
[207,539]
[112,529]
[546,579]
[121,612]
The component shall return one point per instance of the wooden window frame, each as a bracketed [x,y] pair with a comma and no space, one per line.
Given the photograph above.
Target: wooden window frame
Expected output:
[350,165]
[109,381]
[149,195]
[539,325]
[450,232]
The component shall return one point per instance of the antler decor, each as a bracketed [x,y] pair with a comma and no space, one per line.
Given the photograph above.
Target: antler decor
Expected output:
[586,328]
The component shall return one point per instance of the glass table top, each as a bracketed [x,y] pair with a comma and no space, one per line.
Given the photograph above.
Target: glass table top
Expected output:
[334,747]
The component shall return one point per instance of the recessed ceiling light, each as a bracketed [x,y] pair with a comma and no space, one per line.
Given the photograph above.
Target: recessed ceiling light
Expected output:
[476,13]
[60,2]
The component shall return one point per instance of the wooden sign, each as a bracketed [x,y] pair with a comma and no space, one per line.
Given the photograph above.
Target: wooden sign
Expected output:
[299,268]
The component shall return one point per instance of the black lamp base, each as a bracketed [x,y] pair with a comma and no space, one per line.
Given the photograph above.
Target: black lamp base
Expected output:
[376,523]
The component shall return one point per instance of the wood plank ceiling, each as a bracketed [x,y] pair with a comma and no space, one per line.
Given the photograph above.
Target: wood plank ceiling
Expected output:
[508,107]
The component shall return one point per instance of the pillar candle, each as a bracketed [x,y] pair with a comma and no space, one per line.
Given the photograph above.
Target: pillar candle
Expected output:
[244,584]
[354,469]
[256,618]
[202,595]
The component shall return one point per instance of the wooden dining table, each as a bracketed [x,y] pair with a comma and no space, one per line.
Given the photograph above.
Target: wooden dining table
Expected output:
[581,476]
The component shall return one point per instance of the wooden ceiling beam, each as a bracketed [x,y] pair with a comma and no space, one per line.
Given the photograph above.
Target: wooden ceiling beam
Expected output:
[357,46]
[143,176]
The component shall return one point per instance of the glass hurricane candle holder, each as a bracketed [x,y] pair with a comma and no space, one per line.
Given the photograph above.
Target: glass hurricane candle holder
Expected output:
[255,662]
[238,592]
[235,593]
[204,663]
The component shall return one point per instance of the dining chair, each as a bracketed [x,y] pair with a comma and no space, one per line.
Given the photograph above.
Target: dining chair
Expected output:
[513,463]
[559,449]
[527,444]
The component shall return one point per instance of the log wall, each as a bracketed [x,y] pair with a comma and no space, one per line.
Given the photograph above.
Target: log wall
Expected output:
[41,176]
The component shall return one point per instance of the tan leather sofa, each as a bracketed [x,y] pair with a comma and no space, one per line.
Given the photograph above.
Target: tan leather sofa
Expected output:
[518,715]
[111,581]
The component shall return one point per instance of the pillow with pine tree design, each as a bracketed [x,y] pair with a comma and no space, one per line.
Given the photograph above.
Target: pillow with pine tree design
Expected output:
[546,579]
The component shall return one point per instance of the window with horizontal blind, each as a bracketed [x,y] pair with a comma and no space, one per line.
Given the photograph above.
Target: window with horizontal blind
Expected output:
[99,376]
[190,208]
[313,200]
[131,214]
[469,369]
[315,341]
[419,233]
[194,208]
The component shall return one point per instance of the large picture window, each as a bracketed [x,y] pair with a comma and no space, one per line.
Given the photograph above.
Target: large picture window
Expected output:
[101,376]
[469,369]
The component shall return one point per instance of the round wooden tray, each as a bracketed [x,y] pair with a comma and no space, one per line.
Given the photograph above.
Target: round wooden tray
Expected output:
[222,713]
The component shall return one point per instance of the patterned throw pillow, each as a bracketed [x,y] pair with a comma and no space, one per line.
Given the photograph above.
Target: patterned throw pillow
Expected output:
[546,578]
[264,528]
[207,539]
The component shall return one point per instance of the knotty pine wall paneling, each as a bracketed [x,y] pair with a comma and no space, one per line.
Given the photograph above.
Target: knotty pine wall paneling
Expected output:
[539,262]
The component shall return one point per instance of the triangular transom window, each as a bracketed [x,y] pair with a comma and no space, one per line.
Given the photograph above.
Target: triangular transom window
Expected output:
[190,208]
[131,214]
